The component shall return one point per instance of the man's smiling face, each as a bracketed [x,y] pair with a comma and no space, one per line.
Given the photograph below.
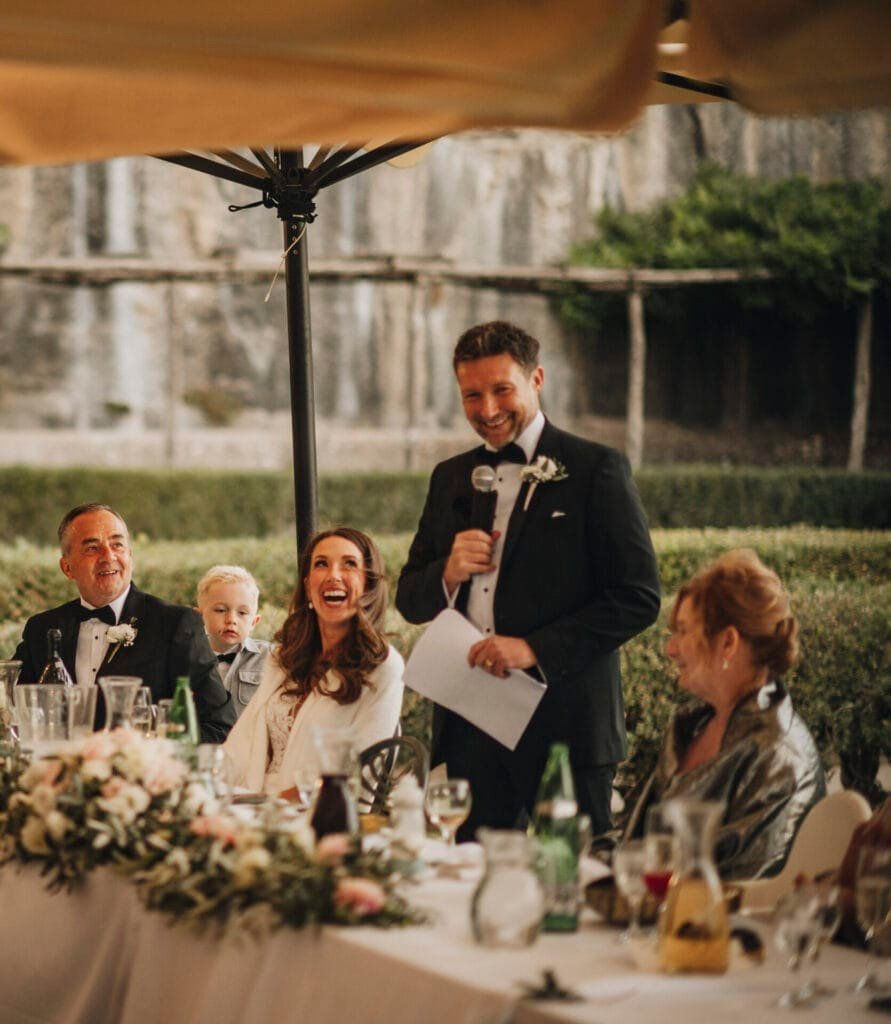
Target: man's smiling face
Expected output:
[96,555]
[500,399]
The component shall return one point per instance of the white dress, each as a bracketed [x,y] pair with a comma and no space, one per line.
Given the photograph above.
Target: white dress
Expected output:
[374,716]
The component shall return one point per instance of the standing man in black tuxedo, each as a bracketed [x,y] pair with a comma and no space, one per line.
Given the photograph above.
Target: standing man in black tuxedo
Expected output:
[564,578]
[169,639]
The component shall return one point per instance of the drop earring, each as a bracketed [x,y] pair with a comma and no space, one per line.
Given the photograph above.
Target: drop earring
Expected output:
[724,664]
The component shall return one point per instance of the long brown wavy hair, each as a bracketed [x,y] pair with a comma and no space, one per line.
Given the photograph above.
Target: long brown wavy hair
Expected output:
[364,648]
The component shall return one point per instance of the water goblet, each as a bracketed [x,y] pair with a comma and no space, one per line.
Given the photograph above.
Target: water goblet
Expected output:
[628,868]
[448,805]
[872,901]
[142,714]
[214,772]
[165,727]
[796,929]
[827,910]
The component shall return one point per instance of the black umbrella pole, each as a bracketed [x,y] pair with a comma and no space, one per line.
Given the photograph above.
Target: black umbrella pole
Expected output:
[303,424]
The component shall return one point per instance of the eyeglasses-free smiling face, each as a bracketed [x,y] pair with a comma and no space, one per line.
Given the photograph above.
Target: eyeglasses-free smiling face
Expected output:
[229,611]
[97,557]
[334,584]
[697,661]
[500,399]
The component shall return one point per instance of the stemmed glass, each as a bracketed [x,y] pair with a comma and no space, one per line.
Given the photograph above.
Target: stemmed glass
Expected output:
[628,868]
[827,910]
[797,926]
[448,805]
[873,906]
[142,714]
[659,853]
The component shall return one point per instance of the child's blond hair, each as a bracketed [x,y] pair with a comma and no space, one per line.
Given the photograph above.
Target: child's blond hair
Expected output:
[227,574]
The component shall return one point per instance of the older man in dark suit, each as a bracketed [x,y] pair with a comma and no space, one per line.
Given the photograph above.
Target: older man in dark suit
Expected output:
[564,578]
[165,640]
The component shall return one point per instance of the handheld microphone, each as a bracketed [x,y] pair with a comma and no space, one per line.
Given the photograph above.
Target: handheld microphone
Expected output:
[482,507]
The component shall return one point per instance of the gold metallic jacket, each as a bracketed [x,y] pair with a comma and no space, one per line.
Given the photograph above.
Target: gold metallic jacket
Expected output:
[767,774]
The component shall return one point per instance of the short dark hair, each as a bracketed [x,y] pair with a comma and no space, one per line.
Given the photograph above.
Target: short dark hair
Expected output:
[494,339]
[81,510]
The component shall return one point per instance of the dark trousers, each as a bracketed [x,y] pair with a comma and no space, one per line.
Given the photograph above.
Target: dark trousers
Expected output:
[504,784]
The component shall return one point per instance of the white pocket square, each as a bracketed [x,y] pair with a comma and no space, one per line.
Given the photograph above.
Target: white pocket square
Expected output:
[557,514]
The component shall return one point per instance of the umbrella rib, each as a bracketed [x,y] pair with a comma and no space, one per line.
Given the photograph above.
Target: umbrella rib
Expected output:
[266,161]
[716,89]
[334,160]
[205,166]
[241,162]
[362,163]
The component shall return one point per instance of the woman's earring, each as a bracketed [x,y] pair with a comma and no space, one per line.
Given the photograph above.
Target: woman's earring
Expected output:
[309,605]
[724,664]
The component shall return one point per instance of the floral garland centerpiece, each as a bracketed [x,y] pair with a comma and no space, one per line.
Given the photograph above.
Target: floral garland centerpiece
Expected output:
[121,799]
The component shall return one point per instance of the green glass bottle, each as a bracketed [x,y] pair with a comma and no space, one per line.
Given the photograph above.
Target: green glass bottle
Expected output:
[555,825]
[183,716]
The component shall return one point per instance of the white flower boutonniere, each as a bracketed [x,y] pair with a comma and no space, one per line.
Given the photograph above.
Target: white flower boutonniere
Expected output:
[121,635]
[542,471]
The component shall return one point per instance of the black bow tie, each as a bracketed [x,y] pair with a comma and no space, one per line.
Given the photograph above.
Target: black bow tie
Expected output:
[104,614]
[511,452]
[228,658]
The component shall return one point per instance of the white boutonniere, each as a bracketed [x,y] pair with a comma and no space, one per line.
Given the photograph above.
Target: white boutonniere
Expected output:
[121,635]
[542,471]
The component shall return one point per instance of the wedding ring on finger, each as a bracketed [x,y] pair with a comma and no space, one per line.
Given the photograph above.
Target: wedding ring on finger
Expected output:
[488,663]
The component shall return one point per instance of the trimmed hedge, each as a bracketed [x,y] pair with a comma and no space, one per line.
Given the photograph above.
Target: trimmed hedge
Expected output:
[185,505]
[840,583]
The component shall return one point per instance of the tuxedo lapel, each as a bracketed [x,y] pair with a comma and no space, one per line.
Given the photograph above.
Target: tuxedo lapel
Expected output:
[548,444]
[69,625]
[130,615]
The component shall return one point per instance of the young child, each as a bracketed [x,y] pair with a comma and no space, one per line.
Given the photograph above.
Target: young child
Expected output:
[228,598]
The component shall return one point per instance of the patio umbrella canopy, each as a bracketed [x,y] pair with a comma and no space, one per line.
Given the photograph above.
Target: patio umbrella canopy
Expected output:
[87,82]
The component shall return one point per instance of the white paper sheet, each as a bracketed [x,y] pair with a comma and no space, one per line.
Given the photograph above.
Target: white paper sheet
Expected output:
[438,669]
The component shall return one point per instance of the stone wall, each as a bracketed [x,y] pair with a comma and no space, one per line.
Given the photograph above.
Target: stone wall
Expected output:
[154,364]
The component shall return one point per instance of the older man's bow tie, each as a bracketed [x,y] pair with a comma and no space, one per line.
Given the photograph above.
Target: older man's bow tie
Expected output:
[228,658]
[104,614]
[511,452]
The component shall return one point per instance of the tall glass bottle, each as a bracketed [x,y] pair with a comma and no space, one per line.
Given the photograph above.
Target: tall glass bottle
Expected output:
[54,671]
[183,717]
[555,825]
[693,928]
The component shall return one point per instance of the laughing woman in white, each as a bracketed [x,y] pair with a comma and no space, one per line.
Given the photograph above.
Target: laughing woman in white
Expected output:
[332,667]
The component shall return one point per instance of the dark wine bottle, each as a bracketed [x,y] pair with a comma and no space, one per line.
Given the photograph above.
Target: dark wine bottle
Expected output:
[335,808]
[54,671]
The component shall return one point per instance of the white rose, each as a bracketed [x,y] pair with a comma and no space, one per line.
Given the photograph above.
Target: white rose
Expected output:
[96,770]
[58,824]
[250,864]
[179,861]
[34,836]
[43,799]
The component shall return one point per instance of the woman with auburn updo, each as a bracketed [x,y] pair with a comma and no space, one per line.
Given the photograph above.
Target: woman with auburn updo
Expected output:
[332,667]
[740,741]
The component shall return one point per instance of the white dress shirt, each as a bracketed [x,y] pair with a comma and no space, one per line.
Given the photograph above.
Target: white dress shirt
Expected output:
[481,600]
[91,642]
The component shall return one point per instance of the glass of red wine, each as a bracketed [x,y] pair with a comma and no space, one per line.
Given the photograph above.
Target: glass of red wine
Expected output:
[659,853]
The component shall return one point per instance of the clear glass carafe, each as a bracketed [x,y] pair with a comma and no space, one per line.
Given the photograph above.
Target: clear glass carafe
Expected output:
[693,929]
[120,694]
[9,676]
[509,903]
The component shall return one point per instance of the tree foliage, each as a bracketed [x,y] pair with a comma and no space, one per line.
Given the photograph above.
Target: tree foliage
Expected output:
[827,242]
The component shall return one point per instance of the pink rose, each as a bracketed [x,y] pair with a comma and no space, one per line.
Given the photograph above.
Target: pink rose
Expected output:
[218,826]
[331,849]
[98,747]
[163,776]
[360,895]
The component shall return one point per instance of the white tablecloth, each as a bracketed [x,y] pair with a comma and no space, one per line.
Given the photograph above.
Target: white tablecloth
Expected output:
[97,957]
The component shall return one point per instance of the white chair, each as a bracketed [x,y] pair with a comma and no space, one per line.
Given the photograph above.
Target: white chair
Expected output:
[819,846]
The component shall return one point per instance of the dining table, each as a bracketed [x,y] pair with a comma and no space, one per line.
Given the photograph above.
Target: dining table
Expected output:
[97,956]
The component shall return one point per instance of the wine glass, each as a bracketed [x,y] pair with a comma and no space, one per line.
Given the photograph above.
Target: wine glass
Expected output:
[141,715]
[214,771]
[797,926]
[628,868]
[872,898]
[448,805]
[827,909]
[659,853]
